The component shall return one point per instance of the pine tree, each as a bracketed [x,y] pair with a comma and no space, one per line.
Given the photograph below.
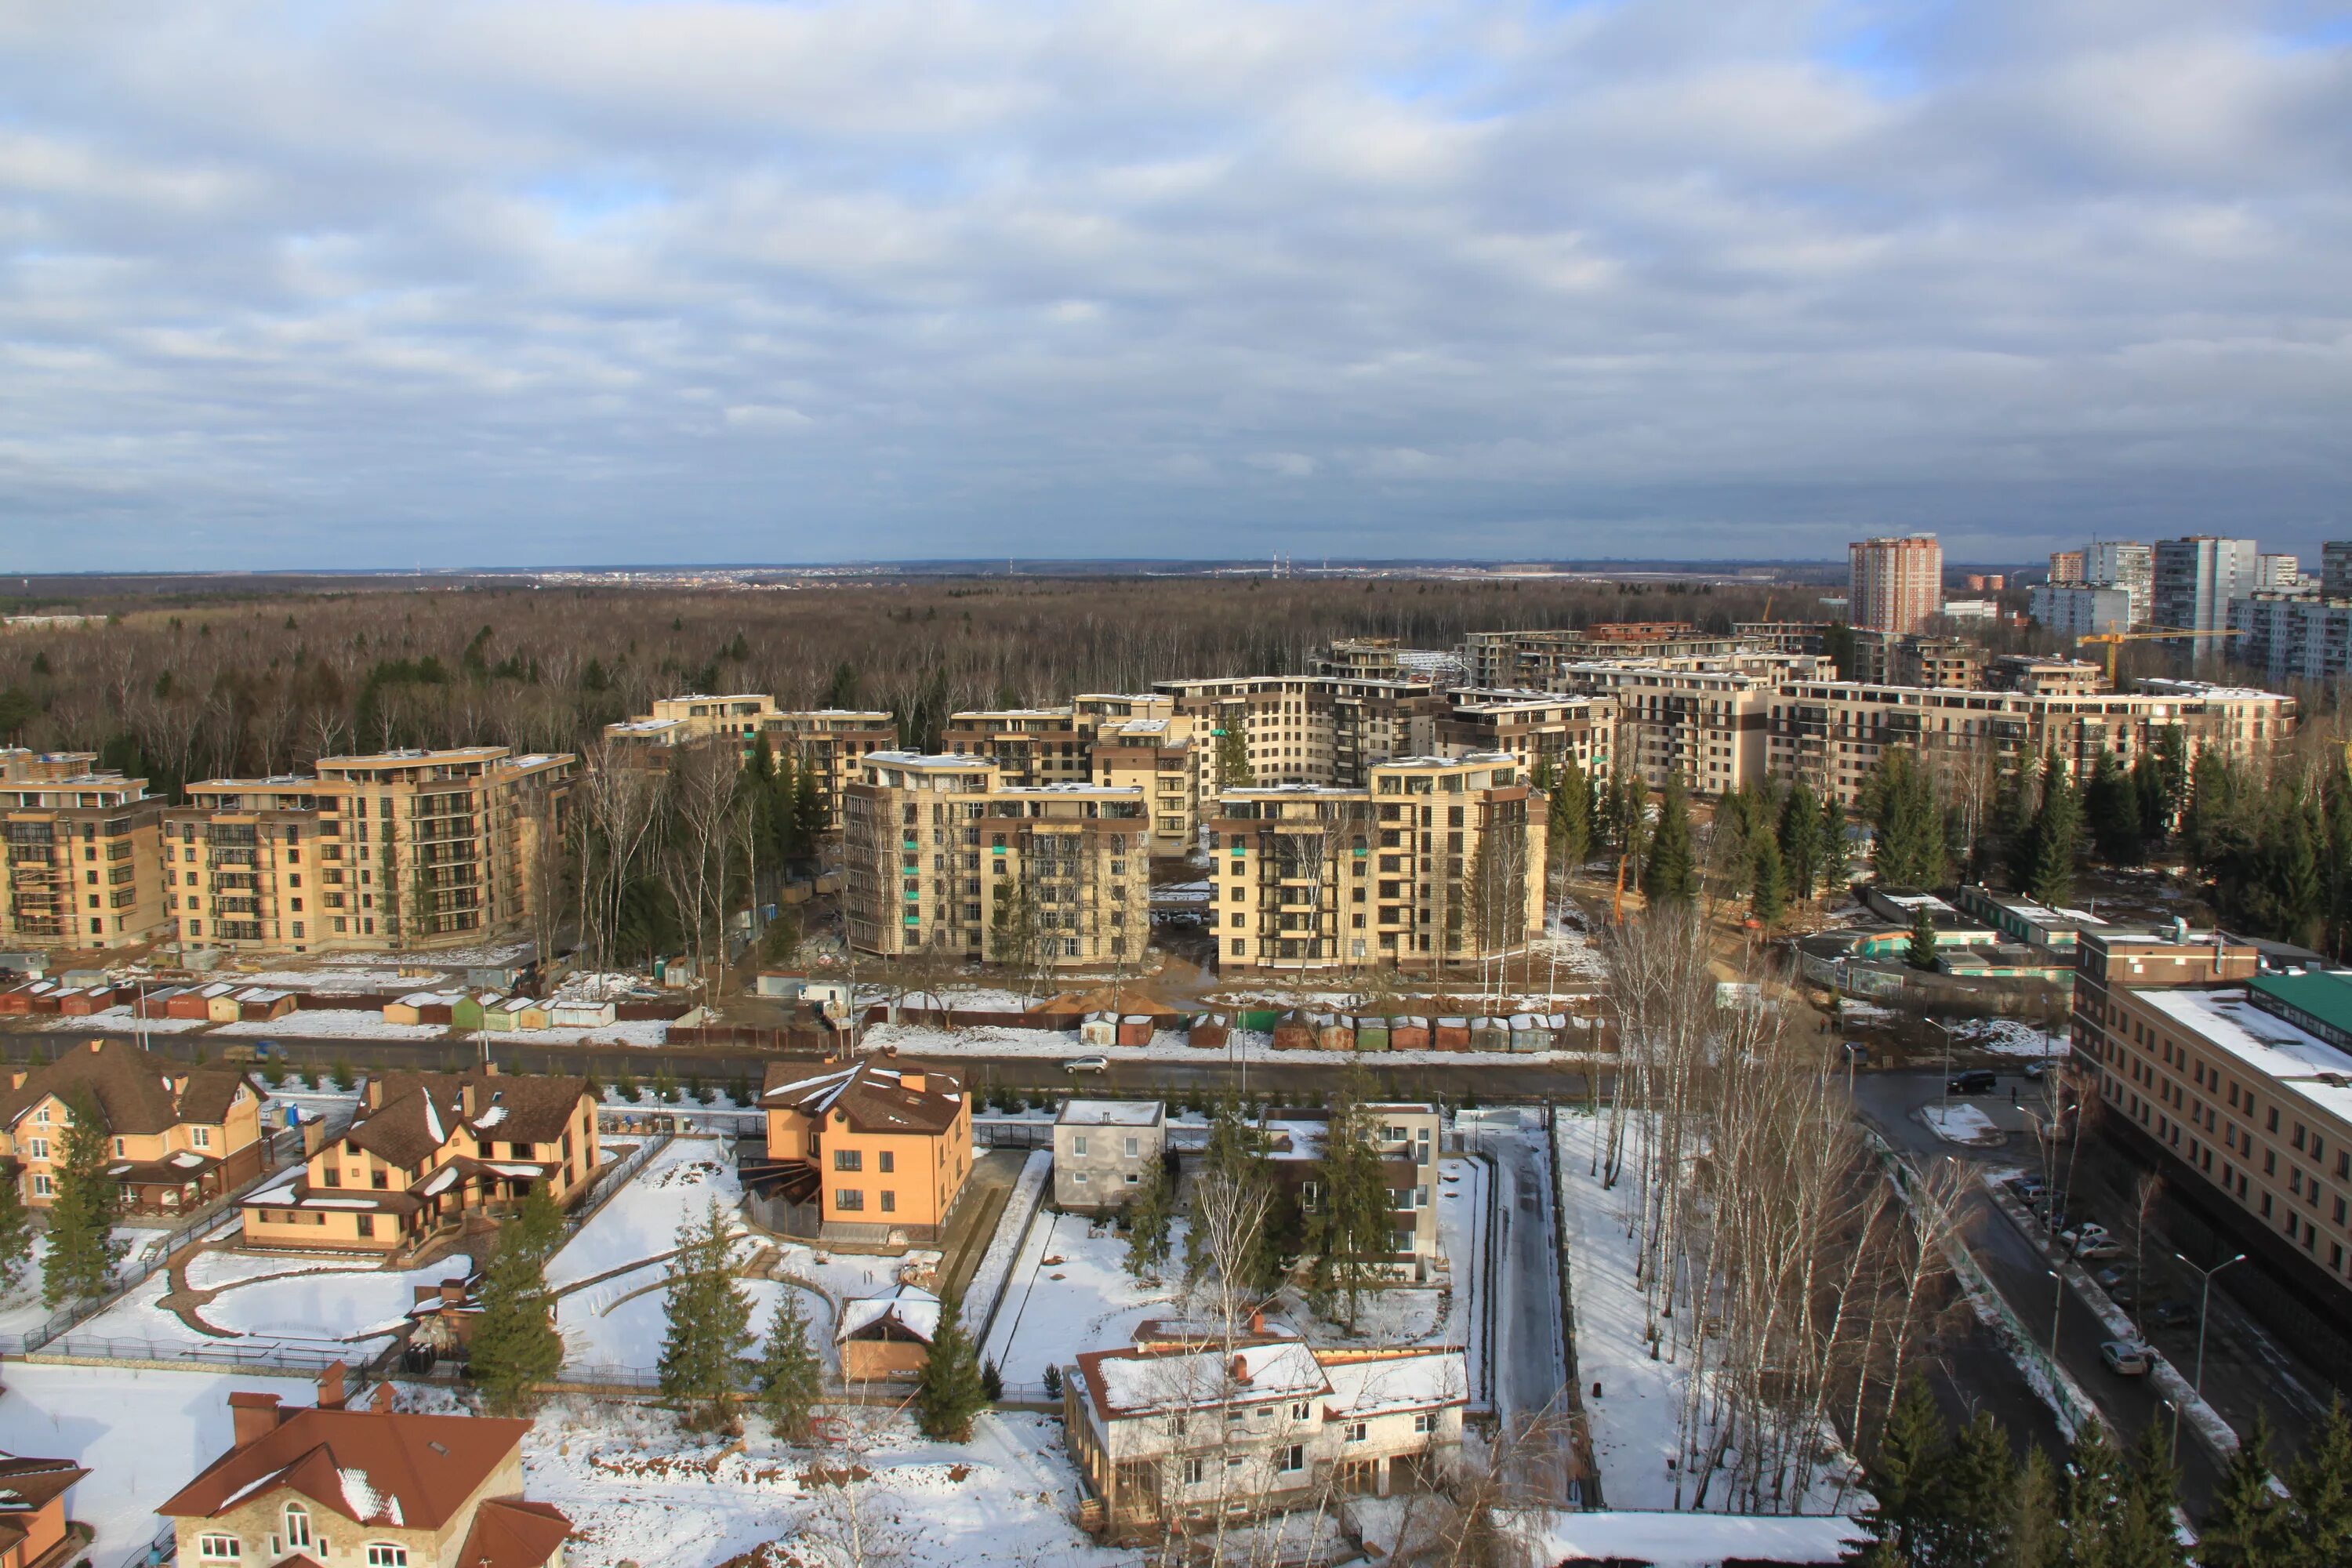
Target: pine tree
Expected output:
[2111,810]
[15,1233]
[1922,953]
[83,1248]
[2319,1489]
[1900,800]
[709,1324]
[2035,1539]
[1976,1487]
[1149,1220]
[949,1393]
[1348,1226]
[2087,1511]
[1236,1154]
[991,1381]
[539,1221]
[2247,1527]
[790,1375]
[2057,836]
[1768,879]
[1904,1508]
[1836,854]
[2145,1533]
[1629,823]
[1570,830]
[1799,833]
[1672,875]
[1053,1381]
[515,1346]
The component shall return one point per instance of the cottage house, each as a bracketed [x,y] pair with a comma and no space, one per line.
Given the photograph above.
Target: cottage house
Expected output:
[862,1153]
[180,1135]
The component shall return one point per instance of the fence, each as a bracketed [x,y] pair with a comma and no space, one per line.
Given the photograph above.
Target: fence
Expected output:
[611,1180]
[235,1355]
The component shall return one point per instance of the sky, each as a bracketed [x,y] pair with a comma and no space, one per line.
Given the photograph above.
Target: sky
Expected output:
[535,282]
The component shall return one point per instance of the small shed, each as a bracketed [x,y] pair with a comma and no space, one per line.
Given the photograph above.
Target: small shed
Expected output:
[194,1001]
[1208,1035]
[1099,1029]
[1136,1028]
[1334,1032]
[1294,1033]
[470,1010]
[83,1002]
[579,1015]
[495,978]
[1371,1033]
[1451,1035]
[16,1002]
[260,1006]
[155,1004]
[1490,1035]
[408,1009]
[1408,1034]
[536,1016]
[1532,1031]
[505,1015]
[221,1004]
[887,1338]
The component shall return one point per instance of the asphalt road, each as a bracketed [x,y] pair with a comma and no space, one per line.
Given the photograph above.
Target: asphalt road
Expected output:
[1529,1370]
[2015,1265]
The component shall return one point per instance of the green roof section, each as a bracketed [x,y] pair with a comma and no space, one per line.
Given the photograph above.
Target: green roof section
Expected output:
[2326,998]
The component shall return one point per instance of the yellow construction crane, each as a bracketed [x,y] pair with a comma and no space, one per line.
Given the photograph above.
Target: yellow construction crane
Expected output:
[2115,639]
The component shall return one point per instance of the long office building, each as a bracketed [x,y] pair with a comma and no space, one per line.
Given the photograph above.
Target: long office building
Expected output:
[1433,861]
[84,854]
[409,851]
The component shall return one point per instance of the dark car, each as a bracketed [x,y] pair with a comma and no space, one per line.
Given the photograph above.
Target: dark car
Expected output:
[1978,1082]
[2172,1313]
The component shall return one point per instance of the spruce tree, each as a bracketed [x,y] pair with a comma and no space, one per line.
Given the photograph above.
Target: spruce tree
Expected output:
[2087,1510]
[514,1347]
[2057,836]
[2248,1526]
[1835,853]
[949,1393]
[1672,875]
[791,1377]
[1922,953]
[2146,1534]
[2319,1489]
[1904,1508]
[1629,823]
[1768,879]
[539,1221]
[1569,829]
[2111,810]
[709,1324]
[1977,1487]
[83,1248]
[15,1233]
[1150,1217]
[1348,1228]
[2035,1539]
[1909,830]
[1800,833]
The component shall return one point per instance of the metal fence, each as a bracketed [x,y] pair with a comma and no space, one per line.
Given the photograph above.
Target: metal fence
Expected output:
[611,1179]
[237,1356]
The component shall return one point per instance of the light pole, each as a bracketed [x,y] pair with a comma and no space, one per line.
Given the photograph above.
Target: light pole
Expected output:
[2204,1300]
[1944,1112]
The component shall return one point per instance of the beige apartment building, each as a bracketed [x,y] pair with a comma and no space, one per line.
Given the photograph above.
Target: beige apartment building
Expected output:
[1497,661]
[1830,733]
[410,850]
[1434,860]
[1309,729]
[942,854]
[1918,658]
[830,743]
[84,854]
[1028,745]
[1701,720]
[1532,727]
[1895,585]
[2241,1091]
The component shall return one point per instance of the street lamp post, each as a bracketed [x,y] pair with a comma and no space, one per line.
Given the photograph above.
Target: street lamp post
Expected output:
[2204,1300]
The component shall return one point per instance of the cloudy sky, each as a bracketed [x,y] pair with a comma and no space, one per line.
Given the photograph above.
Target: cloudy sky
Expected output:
[537,281]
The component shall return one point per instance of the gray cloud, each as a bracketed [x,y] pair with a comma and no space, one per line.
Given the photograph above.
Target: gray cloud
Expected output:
[516,283]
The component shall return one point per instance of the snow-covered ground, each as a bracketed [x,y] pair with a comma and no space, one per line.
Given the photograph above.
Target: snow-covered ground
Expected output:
[335,1022]
[632,1032]
[922,1040]
[629,1333]
[1084,1301]
[1960,1124]
[1688,1540]
[123,1020]
[313,1310]
[641,1221]
[218,1266]
[2010,1037]
[995,1270]
[142,1435]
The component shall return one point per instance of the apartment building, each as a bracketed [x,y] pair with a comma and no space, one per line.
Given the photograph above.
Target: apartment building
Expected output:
[2335,569]
[1388,658]
[410,850]
[2044,677]
[1830,733]
[84,854]
[180,1135]
[830,743]
[1917,659]
[1436,860]
[1897,584]
[2292,636]
[378,1486]
[1498,661]
[1782,637]
[426,1151]
[1531,726]
[1183,1425]
[1303,729]
[1030,746]
[2127,566]
[1172,772]
[2066,567]
[2239,1082]
[2078,611]
[1701,720]
[859,1152]
[2196,577]
[942,854]
[2278,574]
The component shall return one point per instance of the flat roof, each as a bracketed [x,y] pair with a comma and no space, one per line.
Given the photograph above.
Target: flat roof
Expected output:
[1112,1113]
[2295,1061]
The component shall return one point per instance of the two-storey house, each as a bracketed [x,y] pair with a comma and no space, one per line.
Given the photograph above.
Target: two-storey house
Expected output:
[179,1136]
[864,1152]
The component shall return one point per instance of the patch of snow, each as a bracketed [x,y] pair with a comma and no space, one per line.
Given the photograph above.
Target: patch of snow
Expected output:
[1088,1301]
[337,1023]
[1961,1124]
[641,1221]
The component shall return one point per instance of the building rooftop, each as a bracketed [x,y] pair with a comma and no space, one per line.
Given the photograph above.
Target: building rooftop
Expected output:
[2296,1061]
[1111,1113]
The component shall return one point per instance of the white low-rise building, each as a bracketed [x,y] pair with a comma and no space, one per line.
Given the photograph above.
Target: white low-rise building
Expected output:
[1104,1151]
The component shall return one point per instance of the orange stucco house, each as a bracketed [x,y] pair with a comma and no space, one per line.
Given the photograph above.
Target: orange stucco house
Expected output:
[424,1151]
[866,1152]
[34,1530]
[181,1135]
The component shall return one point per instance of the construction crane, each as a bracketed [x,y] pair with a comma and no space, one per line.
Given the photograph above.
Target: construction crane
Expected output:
[2115,639]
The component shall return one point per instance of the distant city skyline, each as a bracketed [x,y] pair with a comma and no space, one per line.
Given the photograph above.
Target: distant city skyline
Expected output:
[511,283]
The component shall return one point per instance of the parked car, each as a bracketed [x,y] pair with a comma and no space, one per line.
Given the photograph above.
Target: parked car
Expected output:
[2035,1070]
[2172,1313]
[2097,1251]
[2084,1235]
[2116,1282]
[2127,1357]
[2029,1187]
[1978,1081]
[1088,1064]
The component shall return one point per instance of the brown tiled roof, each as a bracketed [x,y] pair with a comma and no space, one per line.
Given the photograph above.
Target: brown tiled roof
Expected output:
[26,1483]
[134,1088]
[426,1466]
[413,1119]
[506,1110]
[872,1096]
[533,1110]
[513,1532]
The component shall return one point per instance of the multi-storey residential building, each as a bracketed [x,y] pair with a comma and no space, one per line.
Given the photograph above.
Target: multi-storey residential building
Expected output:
[1305,729]
[84,854]
[941,854]
[1028,745]
[2239,1083]
[180,1136]
[1186,1425]
[2044,677]
[2077,612]
[410,850]
[1702,722]
[1104,1151]
[1533,727]
[1897,584]
[1386,659]
[1498,661]
[2125,564]
[1918,660]
[1436,860]
[868,1149]
[424,1151]
[2277,574]
[1830,733]
[1783,637]
[378,1487]
[829,743]
[2292,636]
[2066,567]
[2335,569]
[2196,577]
[1154,757]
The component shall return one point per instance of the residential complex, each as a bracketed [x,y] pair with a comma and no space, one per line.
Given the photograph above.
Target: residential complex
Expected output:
[2291,636]
[1435,860]
[178,1136]
[409,850]
[1497,661]
[1897,584]
[829,743]
[84,854]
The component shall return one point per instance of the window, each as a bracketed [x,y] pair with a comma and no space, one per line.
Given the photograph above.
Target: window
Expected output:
[1301,1411]
[298,1526]
[201,1137]
[1424,1421]
[1078,1178]
[118,1148]
[219,1548]
[385,1555]
[885,1161]
[1292,1459]
[38,1148]
[848,1199]
[42,1186]
[849,1160]
[1078,1143]
[890,1201]
[1356,1431]
[1191,1472]
[1134,1147]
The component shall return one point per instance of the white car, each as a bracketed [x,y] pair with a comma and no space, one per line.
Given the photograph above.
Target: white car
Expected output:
[2127,1357]
[1088,1064]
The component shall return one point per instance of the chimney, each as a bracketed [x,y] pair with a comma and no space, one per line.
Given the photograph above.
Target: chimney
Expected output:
[1257,1323]
[913,1082]
[1240,1370]
[253,1415]
[97,1046]
[489,1070]
[374,1093]
[453,1292]
[330,1387]
[467,1100]
[17,1078]
[381,1402]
